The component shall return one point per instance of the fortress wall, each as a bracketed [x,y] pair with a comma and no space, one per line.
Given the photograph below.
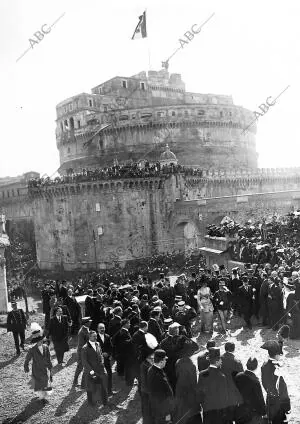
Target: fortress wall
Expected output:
[132,220]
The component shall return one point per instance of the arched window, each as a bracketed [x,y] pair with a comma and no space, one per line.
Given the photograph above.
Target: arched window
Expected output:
[72,123]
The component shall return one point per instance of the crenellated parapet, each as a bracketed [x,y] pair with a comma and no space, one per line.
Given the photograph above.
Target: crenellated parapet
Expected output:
[259,174]
[106,186]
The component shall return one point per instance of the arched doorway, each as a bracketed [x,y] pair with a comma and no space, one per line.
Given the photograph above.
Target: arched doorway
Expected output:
[186,237]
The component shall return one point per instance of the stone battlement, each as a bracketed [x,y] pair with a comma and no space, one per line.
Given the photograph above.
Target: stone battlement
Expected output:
[97,186]
[248,174]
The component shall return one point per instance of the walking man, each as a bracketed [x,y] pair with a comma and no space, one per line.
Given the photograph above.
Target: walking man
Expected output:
[83,338]
[16,323]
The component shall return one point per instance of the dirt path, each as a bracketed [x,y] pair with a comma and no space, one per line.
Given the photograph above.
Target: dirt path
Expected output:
[69,405]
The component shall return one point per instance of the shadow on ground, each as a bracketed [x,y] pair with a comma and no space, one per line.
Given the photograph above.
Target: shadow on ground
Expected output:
[34,406]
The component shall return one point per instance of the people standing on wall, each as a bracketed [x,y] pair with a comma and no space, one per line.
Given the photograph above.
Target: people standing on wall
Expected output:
[16,323]
[58,332]
[83,337]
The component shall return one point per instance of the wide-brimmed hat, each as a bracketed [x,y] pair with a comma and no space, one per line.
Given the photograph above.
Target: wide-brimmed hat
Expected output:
[36,332]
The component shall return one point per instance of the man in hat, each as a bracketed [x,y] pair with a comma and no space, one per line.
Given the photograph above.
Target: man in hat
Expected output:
[185,316]
[104,341]
[278,401]
[275,301]
[293,311]
[75,311]
[139,344]
[230,367]
[171,345]
[246,301]
[94,370]
[222,301]
[213,390]
[125,352]
[203,359]
[16,323]
[253,406]
[234,284]
[89,304]
[154,326]
[160,392]
[263,299]
[83,338]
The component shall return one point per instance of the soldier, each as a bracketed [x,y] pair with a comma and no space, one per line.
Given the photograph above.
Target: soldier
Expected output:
[16,323]
[278,401]
[185,316]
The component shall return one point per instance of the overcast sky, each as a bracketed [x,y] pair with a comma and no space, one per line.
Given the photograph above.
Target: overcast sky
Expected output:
[249,49]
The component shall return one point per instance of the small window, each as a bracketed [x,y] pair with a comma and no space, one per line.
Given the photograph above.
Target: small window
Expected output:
[132,116]
[13,193]
[100,90]
[66,123]
[100,231]
[78,124]
[90,103]
[142,86]
[200,112]
[230,114]
[18,191]
[98,207]
[186,113]
[94,102]
[69,150]
[65,109]
[105,108]
[70,107]
[124,83]
[173,113]
[221,114]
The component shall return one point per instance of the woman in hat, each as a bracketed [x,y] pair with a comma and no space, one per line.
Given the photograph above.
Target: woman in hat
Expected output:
[205,307]
[39,354]
[147,357]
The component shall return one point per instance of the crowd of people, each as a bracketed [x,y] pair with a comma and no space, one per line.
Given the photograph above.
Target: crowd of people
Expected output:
[133,170]
[147,328]
[275,242]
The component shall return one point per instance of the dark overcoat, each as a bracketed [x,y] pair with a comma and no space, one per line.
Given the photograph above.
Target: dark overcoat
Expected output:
[160,393]
[186,404]
[16,321]
[230,367]
[251,391]
[92,360]
[212,389]
[40,364]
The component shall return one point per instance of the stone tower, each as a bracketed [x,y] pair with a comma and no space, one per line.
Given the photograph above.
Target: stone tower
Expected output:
[133,118]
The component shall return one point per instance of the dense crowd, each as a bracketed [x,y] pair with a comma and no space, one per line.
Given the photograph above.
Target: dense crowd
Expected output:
[133,170]
[276,242]
[146,328]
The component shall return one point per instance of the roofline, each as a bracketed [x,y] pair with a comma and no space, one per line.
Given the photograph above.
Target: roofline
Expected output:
[72,98]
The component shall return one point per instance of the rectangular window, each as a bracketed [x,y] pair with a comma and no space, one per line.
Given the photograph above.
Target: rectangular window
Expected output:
[186,113]
[132,116]
[173,113]
[78,124]
[200,112]
[70,107]
[105,108]
[90,103]
[100,231]
[142,86]
[98,207]
[124,83]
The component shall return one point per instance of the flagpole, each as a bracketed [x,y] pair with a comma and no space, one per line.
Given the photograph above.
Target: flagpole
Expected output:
[148,45]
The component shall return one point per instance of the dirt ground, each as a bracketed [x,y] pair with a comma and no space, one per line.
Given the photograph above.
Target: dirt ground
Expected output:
[67,405]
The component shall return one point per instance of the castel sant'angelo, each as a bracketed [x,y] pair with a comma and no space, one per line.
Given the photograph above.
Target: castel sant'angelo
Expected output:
[145,118]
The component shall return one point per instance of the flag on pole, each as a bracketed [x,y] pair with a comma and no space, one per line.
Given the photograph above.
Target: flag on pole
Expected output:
[141,28]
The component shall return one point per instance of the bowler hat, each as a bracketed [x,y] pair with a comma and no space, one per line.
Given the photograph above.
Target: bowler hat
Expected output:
[159,355]
[272,346]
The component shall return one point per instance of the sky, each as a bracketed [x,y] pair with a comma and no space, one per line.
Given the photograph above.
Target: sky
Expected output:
[248,49]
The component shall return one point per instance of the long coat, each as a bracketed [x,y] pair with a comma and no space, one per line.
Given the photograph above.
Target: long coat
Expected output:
[92,360]
[59,332]
[212,389]
[230,367]
[160,393]
[278,400]
[186,390]
[251,391]
[16,321]
[155,329]
[40,364]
